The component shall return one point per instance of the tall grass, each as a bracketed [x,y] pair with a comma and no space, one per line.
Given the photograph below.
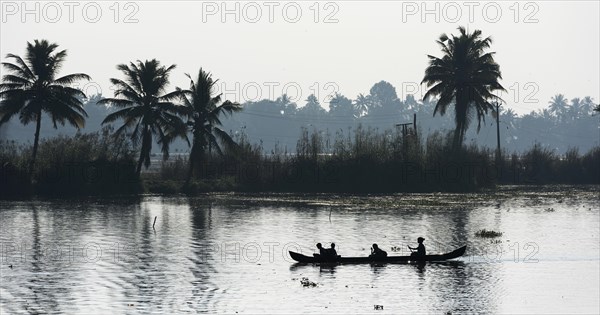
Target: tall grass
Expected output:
[85,164]
[360,160]
[363,160]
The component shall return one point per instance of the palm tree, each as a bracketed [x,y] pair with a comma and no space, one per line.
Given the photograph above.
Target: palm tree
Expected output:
[203,109]
[466,75]
[31,88]
[558,106]
[588,105]
[145,107]
[362,104]
[575,109]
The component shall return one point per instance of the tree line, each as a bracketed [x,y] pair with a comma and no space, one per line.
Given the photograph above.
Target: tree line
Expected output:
[466,78]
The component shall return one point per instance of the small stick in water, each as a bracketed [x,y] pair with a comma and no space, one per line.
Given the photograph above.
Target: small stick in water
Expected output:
[154,222]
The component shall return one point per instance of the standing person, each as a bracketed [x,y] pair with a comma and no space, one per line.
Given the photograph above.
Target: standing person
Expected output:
[420,250]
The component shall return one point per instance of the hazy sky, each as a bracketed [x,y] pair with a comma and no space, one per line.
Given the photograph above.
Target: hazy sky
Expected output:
[543,47]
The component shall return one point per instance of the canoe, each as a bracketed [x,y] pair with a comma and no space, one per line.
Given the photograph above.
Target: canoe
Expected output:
[389,259]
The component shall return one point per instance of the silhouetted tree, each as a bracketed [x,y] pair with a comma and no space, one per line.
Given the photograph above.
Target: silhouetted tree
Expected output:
[384,102]
[312,113]
[203,109]
[383,93]
[466,75]
[287,107]
[558,106]
[362,104]
[31,88]
[588,105]
[145,107]
[341,108]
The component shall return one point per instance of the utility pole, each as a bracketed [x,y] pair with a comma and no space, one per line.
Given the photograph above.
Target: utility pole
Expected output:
[404,128]
[415,124]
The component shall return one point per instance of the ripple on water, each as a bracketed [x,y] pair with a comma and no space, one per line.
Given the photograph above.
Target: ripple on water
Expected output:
[199,258]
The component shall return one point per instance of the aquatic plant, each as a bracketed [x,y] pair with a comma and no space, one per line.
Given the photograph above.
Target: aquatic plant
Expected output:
[307,283]
[487,233]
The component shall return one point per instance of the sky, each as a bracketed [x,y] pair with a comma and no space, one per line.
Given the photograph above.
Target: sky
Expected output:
[264,49]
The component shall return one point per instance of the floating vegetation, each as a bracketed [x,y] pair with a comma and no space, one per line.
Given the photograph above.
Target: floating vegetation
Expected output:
[307,283]
[396,249]
[486,233]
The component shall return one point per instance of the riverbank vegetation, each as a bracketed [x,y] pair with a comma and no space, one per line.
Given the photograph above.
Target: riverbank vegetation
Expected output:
[362,161]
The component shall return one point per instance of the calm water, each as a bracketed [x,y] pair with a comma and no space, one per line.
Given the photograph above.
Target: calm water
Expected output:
[227,254]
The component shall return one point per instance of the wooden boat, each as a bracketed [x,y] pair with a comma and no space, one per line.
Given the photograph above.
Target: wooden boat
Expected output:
[366,260]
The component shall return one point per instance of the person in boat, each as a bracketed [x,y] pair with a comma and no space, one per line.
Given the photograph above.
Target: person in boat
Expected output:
[322,251]
[420,250]
[332,252]
[377,252]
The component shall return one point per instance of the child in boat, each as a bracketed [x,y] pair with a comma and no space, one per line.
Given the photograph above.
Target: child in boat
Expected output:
[420,249]
[377,252]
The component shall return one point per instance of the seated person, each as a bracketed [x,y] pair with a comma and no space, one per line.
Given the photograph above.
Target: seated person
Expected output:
[332,252]
[326,253]
[322,251]
[420,250]
[377,252]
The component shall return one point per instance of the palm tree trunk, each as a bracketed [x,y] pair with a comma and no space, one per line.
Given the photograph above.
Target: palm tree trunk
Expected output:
[192,161]
[36,141]
[143,149]
[138,169]
[457,143]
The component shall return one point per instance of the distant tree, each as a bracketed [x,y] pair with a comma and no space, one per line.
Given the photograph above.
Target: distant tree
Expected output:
[410,102]
[312,112]
[204,110]
[145,106]
[341,107]
[287,107]
[31,88]
[385,102]
[383,94]
[558,106]
[362,104]
[508,116]
[588,105]
[575,110]
[465,76]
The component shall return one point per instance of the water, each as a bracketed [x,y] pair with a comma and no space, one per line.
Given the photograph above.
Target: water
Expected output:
[227,254]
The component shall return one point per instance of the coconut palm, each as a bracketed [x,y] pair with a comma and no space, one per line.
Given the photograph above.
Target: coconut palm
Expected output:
[146,109]
[558,106]
[204,109]
[575,110]
[588,105]
[466,76]
[31,88]
[362,104]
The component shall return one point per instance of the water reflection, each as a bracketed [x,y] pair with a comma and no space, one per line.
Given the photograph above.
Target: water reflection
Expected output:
[202,255]
[103,256]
